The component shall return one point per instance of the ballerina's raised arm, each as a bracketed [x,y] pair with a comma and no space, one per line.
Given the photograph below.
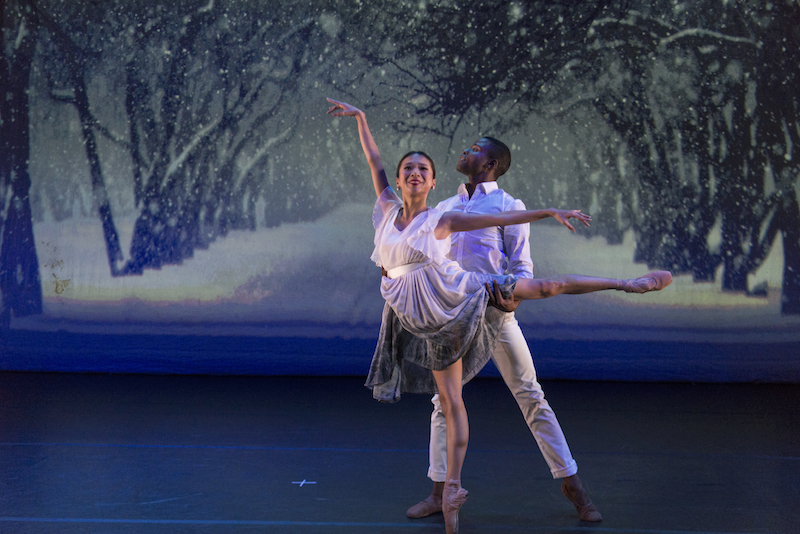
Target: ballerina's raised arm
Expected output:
[343,109]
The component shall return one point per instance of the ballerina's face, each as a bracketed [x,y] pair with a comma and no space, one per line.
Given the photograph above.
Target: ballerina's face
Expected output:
[415,175]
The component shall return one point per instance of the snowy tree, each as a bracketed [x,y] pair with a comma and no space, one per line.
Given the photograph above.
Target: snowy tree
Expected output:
[704,100]
[210,94]
[69,60]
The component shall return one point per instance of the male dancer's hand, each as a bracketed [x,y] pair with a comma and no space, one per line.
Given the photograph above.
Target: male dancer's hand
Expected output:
[497,299]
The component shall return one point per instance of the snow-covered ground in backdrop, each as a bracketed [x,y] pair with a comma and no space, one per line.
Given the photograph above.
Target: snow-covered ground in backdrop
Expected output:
[316,280]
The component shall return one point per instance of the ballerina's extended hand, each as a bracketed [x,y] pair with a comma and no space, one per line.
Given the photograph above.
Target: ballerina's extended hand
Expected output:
[345,109]
[563,217]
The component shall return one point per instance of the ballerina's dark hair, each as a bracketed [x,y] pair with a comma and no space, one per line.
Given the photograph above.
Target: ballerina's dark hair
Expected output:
[414,153]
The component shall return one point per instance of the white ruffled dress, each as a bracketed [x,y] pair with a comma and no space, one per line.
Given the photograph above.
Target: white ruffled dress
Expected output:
[434,314]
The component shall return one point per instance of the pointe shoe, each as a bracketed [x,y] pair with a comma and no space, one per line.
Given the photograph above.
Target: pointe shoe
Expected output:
[586,512]
[453,498]
[431,505]
[640,285]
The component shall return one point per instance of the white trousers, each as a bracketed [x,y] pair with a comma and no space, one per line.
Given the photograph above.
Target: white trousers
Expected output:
[515,363]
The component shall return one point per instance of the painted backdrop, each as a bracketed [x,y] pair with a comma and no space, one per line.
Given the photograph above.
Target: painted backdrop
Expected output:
[174,198]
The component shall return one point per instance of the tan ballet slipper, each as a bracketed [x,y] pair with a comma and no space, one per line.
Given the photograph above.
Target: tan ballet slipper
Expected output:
[640,285]
[431,505]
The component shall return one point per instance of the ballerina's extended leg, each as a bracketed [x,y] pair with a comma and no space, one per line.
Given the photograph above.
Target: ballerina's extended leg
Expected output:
[576,284]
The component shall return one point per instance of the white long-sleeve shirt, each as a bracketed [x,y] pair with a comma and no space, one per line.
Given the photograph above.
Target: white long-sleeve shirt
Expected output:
[494,250]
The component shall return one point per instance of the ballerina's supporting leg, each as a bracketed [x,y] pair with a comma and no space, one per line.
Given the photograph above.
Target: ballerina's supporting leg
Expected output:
[448,381]
[576,284]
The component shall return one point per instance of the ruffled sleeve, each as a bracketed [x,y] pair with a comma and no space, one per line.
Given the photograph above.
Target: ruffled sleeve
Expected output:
[387,201]
[424,240]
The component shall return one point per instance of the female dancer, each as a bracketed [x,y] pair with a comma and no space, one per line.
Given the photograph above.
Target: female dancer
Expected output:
[436,320]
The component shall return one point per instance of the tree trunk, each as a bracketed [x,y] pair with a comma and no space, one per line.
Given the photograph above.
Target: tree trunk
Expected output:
[99,192]
[734,259]
[20,285]
[790,297]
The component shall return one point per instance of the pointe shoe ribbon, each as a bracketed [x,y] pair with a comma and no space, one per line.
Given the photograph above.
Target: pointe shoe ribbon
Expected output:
[453,498]
[661,278]
[586,512]
[424,508]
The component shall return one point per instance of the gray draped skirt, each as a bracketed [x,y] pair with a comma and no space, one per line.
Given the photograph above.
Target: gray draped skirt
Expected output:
[403,361]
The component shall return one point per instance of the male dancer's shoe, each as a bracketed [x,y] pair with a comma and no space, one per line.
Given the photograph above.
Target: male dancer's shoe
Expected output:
[586,510]
[431,505]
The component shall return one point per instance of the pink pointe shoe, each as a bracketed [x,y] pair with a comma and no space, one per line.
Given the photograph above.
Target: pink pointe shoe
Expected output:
[655,281]
[453,498]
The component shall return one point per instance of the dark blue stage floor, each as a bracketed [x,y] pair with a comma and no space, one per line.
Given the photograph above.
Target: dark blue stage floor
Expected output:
[189,454]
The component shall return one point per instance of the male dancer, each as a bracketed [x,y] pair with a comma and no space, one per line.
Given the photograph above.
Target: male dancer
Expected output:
[495,250]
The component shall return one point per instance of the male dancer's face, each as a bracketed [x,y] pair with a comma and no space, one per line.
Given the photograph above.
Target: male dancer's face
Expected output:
[474,160]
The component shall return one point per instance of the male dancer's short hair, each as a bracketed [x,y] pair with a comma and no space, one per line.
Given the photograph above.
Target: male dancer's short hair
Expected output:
[499,151]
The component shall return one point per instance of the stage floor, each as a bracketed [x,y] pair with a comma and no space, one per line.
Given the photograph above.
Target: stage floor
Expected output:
[191,454]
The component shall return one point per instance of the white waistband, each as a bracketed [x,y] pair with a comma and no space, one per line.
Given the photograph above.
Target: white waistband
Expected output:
[397,272]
